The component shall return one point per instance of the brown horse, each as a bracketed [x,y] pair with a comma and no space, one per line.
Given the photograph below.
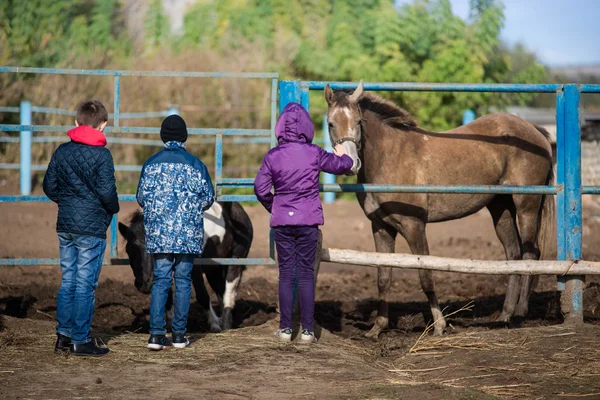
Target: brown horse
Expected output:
[498,149]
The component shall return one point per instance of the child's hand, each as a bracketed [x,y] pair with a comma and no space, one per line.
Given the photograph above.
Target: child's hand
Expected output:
[339,150]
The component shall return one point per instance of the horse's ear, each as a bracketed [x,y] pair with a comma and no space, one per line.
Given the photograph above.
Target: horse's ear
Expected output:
[329,96]
[358,93]
[126,232]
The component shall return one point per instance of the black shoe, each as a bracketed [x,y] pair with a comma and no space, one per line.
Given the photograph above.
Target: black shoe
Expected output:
[63,343]
[180,341]
[89,349]
[158,342]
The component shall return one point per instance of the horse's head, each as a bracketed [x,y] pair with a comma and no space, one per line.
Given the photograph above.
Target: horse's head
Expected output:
[141,262]
[345,121]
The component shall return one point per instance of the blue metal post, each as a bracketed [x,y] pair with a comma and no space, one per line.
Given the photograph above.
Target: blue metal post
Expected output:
[113,224]
[117,98]
[25,156]
[304,99]
[328,197]
[218,163]
[173,110]
[572,160]
[468,116]
[560,180]
[289,91]
[274,86]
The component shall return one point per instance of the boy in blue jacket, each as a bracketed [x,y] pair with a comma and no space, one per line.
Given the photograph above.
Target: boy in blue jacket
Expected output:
[81,179]
[174,191]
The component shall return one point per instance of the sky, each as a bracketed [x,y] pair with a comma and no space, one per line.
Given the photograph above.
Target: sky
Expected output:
[560,32]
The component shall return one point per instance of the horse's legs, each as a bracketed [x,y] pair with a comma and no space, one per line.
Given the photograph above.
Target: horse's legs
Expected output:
[203,298]
[528,212]
[385,240]
[232,283]
[504,216]
[413,231]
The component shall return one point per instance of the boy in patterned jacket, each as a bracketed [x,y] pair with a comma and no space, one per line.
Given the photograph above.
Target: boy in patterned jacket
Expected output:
[174,191]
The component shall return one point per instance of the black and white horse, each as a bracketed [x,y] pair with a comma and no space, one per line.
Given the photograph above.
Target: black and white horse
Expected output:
[227,234]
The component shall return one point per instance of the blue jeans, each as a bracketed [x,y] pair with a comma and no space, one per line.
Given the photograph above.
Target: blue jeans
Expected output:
[81,261]
[164,265]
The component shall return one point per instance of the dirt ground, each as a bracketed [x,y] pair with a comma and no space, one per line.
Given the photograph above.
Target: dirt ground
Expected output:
[477,359]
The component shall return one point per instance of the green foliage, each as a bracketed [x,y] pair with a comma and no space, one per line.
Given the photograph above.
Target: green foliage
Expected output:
[42,33]
[156,25]
[375,41]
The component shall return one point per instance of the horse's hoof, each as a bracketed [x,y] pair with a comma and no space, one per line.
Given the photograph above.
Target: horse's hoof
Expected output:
[216,329]
[227,319]
[504,317]
[521,312]
[373,335]
[439,328]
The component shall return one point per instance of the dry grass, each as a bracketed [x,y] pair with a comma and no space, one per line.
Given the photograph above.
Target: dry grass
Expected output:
[529,362]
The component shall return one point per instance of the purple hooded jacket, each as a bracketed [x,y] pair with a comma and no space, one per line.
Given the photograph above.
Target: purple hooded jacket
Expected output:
[293,168]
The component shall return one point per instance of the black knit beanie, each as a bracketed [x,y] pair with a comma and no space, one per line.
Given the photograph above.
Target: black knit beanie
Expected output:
[173,128]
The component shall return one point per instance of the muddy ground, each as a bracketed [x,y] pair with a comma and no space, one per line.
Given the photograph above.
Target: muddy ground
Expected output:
[477,359]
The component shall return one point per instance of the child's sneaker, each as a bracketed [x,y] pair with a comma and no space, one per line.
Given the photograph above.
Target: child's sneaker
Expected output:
[180,341]
[285,335]
[158,342]
[307,337]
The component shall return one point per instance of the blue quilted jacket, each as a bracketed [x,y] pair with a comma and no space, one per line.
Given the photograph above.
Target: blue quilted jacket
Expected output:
[81,179]
[174,191]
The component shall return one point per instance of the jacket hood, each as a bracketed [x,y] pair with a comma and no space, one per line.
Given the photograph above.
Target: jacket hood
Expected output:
[87,135]
[294,125]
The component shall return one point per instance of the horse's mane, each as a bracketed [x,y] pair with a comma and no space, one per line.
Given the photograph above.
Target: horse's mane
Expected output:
[389,113]
[137,223]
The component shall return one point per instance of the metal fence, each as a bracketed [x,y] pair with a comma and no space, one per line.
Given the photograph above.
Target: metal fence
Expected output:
[568,189]
[26,130]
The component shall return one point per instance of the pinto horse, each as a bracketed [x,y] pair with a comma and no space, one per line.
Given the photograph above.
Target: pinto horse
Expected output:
[227,233]
[388,147]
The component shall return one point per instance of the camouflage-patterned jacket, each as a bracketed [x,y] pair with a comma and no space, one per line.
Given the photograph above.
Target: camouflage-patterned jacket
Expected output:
[174,191]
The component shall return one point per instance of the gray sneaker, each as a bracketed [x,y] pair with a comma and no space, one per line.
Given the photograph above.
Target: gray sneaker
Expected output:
[307,337]
[285,335]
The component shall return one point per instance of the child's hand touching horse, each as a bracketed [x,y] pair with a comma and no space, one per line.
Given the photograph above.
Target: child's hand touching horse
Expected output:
[339,150]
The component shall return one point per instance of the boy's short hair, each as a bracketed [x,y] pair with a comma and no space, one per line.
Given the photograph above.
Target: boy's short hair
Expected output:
[91,113]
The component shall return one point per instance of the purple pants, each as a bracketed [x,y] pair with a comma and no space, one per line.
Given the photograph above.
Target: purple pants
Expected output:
[296,252]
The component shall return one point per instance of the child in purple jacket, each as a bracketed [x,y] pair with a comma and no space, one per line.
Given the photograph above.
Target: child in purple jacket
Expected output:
[293,168]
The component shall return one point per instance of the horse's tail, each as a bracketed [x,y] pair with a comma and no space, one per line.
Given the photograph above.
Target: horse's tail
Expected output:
[547,219]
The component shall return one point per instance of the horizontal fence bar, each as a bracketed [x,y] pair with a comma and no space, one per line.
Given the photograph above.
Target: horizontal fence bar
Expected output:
[148,142]
[460,265]
[589,88]
[374,188]
[236,181]
[438,87]
[125,261]
[240,198]
[590,190]
[10,109]
[139,129]
[475,189]
[62,111]
[106,72]
[43,167]
[122,197]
